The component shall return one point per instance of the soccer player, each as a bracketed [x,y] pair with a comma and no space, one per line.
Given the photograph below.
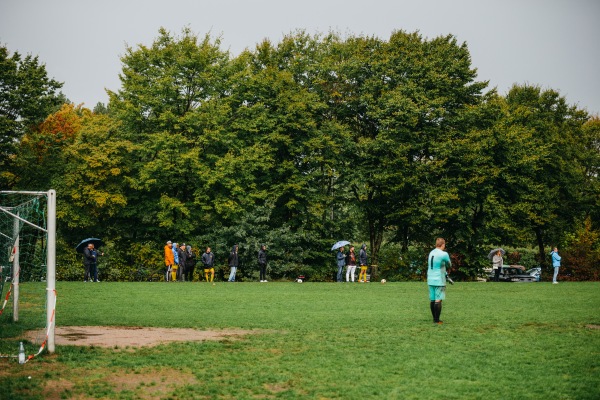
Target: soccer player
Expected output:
[437,262]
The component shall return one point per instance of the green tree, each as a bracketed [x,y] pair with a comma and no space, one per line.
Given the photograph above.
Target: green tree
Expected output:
[93,186]
[280,151]
[399,99]
[480,170]
[169,105]
[27,96]
[551,203]
[589,156]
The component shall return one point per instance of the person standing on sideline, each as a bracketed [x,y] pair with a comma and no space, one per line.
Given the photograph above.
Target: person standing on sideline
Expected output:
[262,262]
[88,260]
[351,265]
[234,262]
[555,263]
[363,259]
[181,260]
[169,261]
[175,249]
[341,263]
[208,259]
[190,263]
[437,262]
[94,264]
[497,264]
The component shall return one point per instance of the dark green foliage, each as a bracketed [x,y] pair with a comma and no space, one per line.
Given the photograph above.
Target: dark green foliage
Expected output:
[312,140]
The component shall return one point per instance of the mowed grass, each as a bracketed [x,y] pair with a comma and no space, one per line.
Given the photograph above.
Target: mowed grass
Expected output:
[320,341]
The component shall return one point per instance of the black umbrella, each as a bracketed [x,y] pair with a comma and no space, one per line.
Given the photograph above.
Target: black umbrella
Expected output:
[83,244]
[493,252]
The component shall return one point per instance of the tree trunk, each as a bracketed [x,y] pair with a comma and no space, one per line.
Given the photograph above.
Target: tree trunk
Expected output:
[540,242]
[375,239]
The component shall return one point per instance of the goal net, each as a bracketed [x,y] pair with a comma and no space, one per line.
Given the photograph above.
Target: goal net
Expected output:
[27,256]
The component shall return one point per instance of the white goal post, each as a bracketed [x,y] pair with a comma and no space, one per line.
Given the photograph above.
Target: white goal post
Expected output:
[50,232]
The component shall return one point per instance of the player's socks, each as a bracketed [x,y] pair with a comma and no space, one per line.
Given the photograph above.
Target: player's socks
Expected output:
[438,311]
[432,307]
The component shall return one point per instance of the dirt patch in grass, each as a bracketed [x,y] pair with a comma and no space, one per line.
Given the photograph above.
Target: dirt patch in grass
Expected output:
[151,384]
[592,326]
[112,336]
[145,384]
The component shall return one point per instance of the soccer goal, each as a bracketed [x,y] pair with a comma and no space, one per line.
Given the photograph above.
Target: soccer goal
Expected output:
[28,250]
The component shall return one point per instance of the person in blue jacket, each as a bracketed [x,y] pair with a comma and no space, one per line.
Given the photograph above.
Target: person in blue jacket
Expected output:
[555,264]
[341,263]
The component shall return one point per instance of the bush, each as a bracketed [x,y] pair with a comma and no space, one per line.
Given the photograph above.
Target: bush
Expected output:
[521,256]
[395,265]
[581,255]
[69,263]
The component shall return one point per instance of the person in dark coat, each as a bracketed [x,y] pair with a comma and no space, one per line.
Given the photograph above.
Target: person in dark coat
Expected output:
[94,264]
[208,259]
[190,263]
[89,259]
[262,262]
[182,256]
[234,262]
[362,259]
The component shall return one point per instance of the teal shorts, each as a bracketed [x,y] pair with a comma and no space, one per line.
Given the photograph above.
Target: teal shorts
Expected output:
[437,293]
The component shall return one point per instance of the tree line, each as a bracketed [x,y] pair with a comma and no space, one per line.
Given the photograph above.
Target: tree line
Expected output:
[301,143]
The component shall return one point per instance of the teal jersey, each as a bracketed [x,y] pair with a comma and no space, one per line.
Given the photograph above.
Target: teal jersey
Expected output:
[437,262]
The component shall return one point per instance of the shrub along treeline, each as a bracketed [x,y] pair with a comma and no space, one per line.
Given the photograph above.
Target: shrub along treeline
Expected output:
[309,141]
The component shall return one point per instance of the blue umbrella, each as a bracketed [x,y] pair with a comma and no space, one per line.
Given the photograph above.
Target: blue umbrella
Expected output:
[83,244]
[339,244]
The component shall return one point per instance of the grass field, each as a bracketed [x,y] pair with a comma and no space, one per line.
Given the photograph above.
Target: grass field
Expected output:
[319,341]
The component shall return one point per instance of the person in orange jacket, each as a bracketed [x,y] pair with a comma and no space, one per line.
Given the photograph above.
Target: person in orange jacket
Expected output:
[170,262]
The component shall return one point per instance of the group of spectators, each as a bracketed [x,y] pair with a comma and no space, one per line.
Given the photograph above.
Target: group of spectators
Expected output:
[350,260]
[180,262]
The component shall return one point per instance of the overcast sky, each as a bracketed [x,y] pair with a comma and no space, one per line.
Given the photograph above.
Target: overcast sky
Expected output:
[550,43]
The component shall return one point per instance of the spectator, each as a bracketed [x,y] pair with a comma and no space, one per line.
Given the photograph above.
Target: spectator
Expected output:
[208,259]
[262,262]
[169,261]
[234,262]
[351,262]
[556,264]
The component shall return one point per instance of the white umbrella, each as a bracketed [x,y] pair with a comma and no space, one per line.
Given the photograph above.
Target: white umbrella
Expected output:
[339,244]
[493,252]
